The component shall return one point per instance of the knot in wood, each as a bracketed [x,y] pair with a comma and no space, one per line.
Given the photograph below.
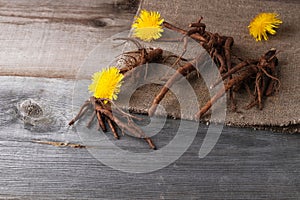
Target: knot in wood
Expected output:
[98,23]
[30,108]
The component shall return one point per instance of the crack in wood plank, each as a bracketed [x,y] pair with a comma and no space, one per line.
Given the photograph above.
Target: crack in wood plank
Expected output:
[59,144]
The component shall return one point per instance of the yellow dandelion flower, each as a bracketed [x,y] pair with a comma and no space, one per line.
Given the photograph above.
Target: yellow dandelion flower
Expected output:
[262,24]
[106,83]
[148,25]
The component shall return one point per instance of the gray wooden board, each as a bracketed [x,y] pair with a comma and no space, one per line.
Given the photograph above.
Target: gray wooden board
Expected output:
[245,164]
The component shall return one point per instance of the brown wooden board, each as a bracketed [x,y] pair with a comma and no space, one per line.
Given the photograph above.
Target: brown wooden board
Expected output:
[51,39]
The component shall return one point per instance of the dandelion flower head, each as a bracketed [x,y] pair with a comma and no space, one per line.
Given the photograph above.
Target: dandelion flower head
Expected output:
[262,24]
[148,25]
[106,83]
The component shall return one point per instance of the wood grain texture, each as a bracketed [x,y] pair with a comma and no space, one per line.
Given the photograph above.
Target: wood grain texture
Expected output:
[245,164]
[52,38]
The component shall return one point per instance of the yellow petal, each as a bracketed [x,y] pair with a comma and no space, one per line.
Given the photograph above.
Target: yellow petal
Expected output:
[262,24]
[106,83]
[148,25]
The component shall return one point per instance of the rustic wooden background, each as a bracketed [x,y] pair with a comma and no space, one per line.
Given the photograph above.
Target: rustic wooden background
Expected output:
[43,43]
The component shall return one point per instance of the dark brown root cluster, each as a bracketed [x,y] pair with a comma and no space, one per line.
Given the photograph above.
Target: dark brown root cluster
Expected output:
[106,117]
[140,57]
[257,76]
[218,47]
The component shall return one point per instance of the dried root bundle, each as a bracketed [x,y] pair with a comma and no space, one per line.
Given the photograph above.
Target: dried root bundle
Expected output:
[264,83]
[260,75]
[117,119]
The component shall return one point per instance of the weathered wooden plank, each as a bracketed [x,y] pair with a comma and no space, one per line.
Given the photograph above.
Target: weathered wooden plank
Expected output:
[245,164]
[52,38]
